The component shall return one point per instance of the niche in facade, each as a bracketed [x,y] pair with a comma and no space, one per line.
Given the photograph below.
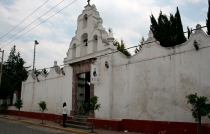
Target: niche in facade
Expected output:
[84,44]
[74,51]
[95,43]
[85,20]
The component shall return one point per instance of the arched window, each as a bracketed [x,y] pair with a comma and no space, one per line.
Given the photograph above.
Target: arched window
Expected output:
[85,20]
[95,43]
[74,51]
[84,44]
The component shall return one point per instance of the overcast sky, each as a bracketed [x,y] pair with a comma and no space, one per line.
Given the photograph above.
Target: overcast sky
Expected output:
[129,20]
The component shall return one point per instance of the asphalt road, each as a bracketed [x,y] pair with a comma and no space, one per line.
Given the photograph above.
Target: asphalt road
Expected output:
[14,127]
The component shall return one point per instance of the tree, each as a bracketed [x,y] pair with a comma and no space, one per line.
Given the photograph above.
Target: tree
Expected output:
[121,47]
[18,104]
[189,32]
[43,107]
[6,88]
[91,106]
[4,107]
[37,72]
[141,43]
[44,71]
[110,30]
[208,20]
[200,108]
[13,74]
[180,33]
[168,31]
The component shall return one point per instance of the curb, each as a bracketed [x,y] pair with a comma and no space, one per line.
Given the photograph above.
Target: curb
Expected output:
[43,125]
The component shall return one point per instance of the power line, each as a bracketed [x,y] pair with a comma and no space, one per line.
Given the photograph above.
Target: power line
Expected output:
[134,46]
[24,20]
[33,21]
[40,23]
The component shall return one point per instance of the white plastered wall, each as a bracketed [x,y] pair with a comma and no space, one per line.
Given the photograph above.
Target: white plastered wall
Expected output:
[152,85]
[53,89]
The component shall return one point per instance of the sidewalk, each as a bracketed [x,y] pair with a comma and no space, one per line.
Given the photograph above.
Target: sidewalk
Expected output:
[53,125]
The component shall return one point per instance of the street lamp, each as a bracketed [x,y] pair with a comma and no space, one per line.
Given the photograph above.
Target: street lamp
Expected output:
[35,43]
[1,64]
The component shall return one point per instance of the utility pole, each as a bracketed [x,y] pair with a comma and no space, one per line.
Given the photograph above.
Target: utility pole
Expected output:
[1,66]
[35,43]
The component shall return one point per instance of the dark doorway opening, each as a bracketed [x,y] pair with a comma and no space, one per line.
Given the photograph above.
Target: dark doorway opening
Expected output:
[83,91]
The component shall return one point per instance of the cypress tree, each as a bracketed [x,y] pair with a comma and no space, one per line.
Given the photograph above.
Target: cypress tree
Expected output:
[208,20]
[168,31]
[180,33]
[154,27]
[14,73]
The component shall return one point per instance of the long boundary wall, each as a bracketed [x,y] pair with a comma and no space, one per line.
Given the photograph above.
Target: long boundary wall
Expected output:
[152,85]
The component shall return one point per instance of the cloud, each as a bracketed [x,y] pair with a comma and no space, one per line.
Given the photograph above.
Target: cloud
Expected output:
[182,2]
[129,19]
[204,9]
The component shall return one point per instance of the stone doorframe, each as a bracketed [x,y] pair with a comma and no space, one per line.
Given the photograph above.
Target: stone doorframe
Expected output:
[78,68]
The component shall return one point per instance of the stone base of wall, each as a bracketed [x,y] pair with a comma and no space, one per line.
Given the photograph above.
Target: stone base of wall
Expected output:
[113,125]
[163,127]
[138,126]
[47,116]
[150,127]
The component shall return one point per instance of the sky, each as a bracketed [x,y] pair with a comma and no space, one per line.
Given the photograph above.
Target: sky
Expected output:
[129,19]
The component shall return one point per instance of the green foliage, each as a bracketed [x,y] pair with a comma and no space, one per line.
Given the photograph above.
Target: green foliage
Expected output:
[44,71]
[179,29]
[4,106]
[168,31]
[121,47]
[6,88]
[141,43]
[37,72]
[189,32]
[42,106]
[18,104]
[91,105]
[208,20]
[200,107]
[13,74]
[110,30]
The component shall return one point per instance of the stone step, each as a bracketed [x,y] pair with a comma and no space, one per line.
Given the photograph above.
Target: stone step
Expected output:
[79,123]
[79,119]
[76,126]
[81,116]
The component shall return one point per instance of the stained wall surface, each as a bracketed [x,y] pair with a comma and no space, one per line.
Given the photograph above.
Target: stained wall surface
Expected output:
[54,89]
[151,85]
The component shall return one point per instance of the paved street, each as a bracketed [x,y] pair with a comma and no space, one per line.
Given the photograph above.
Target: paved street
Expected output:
[14,127]
[11,125]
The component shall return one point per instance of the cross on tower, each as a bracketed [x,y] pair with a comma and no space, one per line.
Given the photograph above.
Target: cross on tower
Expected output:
[88,2]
